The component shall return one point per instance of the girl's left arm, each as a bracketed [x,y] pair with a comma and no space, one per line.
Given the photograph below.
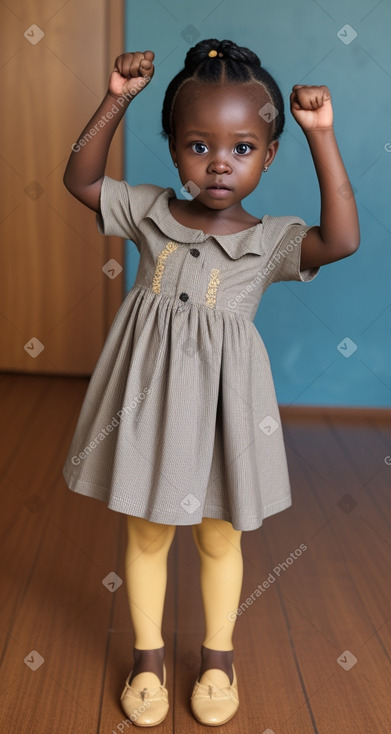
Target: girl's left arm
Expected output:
[339,233]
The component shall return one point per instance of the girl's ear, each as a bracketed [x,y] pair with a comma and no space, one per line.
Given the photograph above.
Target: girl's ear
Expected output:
[271,152]
[172,147]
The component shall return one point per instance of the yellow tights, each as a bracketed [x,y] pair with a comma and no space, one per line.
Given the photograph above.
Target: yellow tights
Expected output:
[221,575]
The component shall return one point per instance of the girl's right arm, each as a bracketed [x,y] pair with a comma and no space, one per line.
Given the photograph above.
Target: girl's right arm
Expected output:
[86,165]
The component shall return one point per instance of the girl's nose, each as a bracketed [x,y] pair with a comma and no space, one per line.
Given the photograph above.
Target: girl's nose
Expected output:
[219,165]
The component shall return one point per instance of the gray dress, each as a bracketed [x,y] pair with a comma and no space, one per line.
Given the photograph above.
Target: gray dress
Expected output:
[180,420]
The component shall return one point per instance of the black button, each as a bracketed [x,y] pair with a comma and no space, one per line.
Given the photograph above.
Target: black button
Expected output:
[194,252]
[184,297]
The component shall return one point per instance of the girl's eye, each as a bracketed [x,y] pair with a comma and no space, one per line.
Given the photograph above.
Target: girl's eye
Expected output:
[243,148]
[199,147]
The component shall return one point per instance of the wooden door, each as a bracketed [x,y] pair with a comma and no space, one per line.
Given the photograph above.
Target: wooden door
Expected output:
[56,302]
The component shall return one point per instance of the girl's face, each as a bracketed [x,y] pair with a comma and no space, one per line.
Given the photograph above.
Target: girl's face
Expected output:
[221,140]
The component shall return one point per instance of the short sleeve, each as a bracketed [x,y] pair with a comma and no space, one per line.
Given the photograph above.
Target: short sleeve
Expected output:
[122,207]
[283,241]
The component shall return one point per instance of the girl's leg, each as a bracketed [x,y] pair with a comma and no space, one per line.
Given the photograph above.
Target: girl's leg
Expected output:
[221,575]
[146,580]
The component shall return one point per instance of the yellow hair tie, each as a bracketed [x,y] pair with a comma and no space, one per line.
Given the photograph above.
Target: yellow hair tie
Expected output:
[212,53]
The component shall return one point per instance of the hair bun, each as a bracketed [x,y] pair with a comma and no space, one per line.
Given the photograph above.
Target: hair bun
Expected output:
[199,53]
[239,53]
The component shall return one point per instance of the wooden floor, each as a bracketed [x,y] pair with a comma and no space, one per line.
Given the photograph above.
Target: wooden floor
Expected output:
[312,653]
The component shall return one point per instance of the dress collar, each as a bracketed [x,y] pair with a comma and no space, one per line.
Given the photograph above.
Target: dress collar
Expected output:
[235,245]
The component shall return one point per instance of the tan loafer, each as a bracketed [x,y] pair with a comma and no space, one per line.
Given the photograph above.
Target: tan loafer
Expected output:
[147,706]
[214,706]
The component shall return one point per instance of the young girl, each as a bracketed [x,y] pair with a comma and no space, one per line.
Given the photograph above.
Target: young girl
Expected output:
[180,423]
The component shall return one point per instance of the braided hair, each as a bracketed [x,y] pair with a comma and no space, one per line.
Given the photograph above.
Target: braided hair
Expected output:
[214,61]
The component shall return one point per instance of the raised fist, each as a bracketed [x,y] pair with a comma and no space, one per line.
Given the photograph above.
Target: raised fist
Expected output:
[132,72]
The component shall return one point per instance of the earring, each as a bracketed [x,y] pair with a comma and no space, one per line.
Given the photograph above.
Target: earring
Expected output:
[265,168]
[175,164]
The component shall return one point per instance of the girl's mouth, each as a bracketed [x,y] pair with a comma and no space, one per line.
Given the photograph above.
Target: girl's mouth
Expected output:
[219,186]
[218,192]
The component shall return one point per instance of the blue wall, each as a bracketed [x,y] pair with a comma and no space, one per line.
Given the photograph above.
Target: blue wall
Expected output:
[300,323]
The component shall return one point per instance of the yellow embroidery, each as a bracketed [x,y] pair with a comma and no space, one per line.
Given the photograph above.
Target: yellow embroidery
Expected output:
[212,288]
[170,247]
